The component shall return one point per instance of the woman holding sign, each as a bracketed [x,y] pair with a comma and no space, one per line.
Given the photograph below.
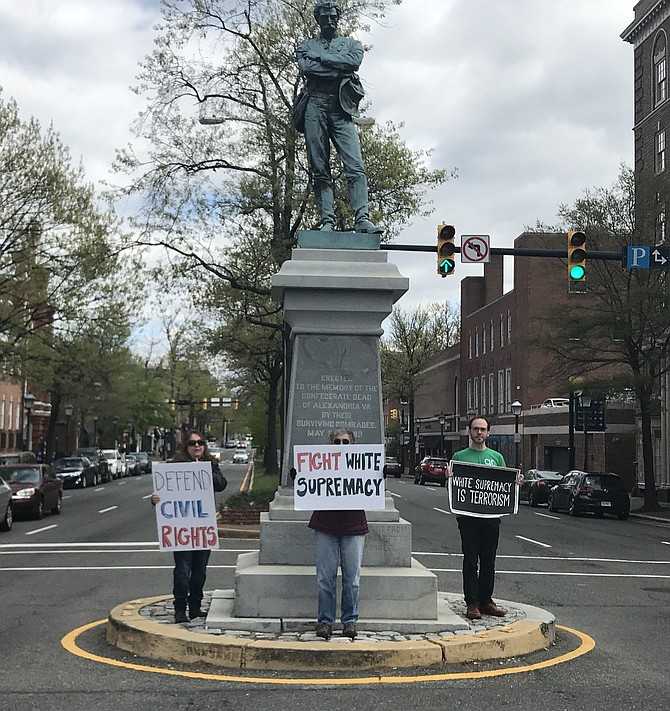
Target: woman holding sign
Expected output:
[339,537]
[190,567]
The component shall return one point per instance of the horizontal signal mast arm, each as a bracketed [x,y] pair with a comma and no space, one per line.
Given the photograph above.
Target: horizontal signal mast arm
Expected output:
[507,251]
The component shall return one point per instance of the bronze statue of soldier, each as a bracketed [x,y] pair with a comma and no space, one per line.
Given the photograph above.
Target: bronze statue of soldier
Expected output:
[331,97]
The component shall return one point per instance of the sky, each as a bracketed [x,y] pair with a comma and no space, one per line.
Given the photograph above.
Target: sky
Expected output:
[531,101]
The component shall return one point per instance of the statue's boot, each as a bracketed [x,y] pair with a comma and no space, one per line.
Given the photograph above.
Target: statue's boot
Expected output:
[358,195]
[325,203]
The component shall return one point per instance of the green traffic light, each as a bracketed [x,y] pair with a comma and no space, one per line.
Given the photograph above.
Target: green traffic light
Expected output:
[577,272]
[447,266]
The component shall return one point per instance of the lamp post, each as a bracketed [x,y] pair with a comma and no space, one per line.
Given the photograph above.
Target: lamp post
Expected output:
[115,423]
[69,409]
[95,430]
[517,408]
[442,418]
[28,405]
[585,406]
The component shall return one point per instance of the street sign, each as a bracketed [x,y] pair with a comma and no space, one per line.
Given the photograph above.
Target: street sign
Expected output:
[475,248]
[595,417]
[645,257]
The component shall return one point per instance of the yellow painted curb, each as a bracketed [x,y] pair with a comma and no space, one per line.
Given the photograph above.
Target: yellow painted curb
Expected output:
[127,629]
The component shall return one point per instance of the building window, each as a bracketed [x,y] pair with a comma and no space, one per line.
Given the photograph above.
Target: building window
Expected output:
[468,394]
[508,390]
[660,227]
[2,414]
[483,393]
[11,413]
[502,331]
[660,151]
[483,339]
[509,326]
[477,342]
[476,395]
[492,335]
[660,70]
[492,393]
[470,345]
[501,391]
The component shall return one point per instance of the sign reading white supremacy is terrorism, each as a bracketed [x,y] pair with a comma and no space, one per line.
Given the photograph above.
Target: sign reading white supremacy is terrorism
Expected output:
[186,513]
[339,477]
[483,491]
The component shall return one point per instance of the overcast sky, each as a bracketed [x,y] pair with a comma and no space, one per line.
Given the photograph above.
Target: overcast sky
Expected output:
[531,100]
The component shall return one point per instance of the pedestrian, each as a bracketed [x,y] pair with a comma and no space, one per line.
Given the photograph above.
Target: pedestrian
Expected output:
[329,103]
[190,567]
[339,538]
[479,536]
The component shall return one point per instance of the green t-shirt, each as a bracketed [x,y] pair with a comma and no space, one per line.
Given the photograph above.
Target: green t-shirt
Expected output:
[488,457]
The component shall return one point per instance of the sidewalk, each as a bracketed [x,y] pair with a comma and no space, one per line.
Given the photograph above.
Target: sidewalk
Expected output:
[637,502]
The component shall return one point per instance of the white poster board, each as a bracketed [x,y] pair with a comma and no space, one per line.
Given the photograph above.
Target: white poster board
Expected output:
[339,477]
[186,513]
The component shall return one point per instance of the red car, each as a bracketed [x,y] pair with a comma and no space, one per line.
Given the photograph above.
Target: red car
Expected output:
[35,488]
[432,469]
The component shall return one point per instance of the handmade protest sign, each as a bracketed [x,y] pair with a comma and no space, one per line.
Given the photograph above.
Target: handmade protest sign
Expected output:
[482,491]
[186,513]
[337,477]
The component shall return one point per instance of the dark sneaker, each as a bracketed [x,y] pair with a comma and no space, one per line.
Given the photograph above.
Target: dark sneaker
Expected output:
[180,616]
[492,609]
[197,613]
[473,613]
[324,630]
[349,630]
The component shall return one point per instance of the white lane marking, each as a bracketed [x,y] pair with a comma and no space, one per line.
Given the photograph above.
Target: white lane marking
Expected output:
[442,511]
[556,518]
[39,530]
[109,508]
[100,488]
[553,557]
[102,544]
[537,543]
[107,551]
[120,483]
[559,574]
[69,496]
[148,496]
[103,567]
[666,543]
[397,496]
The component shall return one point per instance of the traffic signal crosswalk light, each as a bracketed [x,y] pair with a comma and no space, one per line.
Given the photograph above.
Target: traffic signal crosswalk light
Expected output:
[576,258]
[446,264]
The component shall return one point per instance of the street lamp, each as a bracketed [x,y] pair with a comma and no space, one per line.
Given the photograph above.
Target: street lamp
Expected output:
[585,407]
[442,418]
[95,430]
[69,409]
[517,408]
[28,405]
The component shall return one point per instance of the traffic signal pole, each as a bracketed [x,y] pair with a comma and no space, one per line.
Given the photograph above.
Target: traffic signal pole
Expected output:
[508,251]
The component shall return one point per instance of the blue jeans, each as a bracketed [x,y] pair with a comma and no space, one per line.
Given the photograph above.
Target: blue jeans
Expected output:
[190,571]
[332,551]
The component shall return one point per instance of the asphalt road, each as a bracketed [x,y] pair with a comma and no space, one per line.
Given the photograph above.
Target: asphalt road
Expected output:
[607,578]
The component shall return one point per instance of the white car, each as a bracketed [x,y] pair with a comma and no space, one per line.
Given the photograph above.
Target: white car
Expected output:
[241,457]
[115,463]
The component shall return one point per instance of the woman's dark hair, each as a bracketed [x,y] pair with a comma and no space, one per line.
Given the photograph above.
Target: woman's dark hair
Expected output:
[183,456]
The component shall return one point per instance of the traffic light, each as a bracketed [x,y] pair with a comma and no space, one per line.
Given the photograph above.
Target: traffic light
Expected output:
[204,404]
[576,258]
[446,264]
[394,413]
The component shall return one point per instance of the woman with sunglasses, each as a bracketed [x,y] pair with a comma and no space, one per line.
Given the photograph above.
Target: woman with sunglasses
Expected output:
[339,537]
[190,567]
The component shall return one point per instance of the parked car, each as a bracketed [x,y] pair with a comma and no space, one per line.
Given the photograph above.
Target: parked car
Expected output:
[432,469]
[241,457]
[6,506]
[133,466]
[537,484]
[35,488]
[144,460]
[556,402]
[76,471]
[230,444]
[392,467]
[598,493]
[114,463]
[18,458]
[97,459]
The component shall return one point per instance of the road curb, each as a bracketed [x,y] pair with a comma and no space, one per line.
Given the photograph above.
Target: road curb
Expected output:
[127,629]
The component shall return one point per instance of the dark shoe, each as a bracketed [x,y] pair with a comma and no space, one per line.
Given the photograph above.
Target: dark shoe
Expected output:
[492,609]
[180,616]
[197,613]
[324,630]
[327,226]
[366,226]
[473,613]
[349,630]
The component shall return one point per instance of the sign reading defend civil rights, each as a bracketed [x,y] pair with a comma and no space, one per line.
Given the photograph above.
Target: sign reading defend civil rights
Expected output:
[338,477]
[479,490]
[186,513]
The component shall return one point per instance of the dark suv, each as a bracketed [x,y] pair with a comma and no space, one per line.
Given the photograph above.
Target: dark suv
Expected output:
[432,469]
[536,485]
[598,493]
[97,459]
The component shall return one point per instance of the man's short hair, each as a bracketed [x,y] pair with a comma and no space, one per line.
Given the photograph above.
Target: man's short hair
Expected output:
[479,417]
[322,5]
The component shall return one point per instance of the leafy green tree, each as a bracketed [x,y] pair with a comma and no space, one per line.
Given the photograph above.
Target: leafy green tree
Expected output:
[620,336]
[414,338]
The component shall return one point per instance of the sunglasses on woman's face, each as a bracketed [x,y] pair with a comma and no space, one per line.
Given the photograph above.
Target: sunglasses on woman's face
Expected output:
[196,443]
[341,441]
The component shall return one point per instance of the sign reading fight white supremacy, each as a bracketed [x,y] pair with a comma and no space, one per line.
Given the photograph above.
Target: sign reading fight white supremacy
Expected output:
[478,490]
[186,513]
[332,476]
